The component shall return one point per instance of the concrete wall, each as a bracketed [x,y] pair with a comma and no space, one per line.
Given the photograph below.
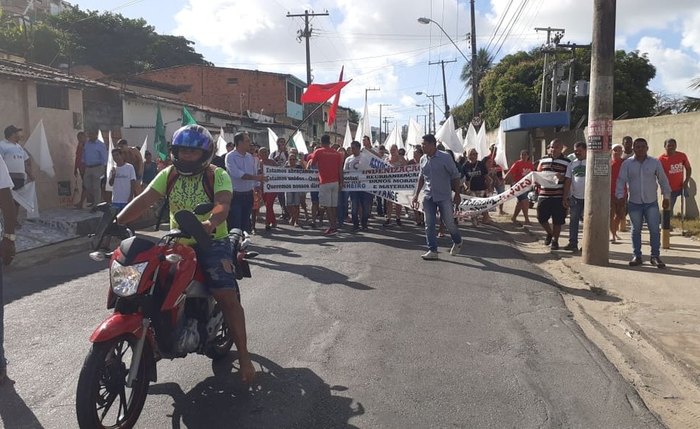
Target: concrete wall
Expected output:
[683,128]
[18,106]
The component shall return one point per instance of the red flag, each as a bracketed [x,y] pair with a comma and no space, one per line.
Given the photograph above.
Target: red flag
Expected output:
[334,106]
[321,92]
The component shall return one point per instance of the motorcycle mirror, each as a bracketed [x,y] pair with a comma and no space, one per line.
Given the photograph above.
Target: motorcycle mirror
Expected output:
[203,209]
[190,225]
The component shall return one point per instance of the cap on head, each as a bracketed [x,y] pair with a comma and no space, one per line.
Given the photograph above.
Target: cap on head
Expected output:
[11,130]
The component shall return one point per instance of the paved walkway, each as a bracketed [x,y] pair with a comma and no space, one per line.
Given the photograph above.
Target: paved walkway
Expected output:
[647,318]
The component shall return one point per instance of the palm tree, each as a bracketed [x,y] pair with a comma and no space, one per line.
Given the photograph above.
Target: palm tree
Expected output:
[692,104]
[484,62]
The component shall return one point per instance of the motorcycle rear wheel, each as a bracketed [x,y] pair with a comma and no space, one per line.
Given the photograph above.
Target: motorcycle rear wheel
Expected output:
[219,347]
[102,399]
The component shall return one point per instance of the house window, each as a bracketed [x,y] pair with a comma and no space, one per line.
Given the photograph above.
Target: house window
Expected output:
[52,97]
[294,93]
[232,81]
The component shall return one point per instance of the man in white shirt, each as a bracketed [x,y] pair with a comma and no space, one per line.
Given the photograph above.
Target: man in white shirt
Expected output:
[361,201]
[7,248]
[574,192]
[16,160]
[241,166]
[122,178]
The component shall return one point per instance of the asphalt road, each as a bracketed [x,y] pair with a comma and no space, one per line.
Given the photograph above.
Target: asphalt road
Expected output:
[352,331]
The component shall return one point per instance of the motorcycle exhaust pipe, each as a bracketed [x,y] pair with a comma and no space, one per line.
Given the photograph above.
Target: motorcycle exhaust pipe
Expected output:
[138,352]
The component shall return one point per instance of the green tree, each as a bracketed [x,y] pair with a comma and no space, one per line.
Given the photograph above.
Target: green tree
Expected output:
[484,62]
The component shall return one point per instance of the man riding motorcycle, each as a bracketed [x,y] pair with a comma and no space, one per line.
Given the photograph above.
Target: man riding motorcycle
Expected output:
[192,149]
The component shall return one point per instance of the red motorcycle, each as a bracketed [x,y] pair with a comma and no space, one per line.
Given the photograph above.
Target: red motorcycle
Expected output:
[162,309]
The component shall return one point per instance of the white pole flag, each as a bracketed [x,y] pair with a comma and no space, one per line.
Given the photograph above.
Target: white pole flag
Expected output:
[99,136]
[300,143]
[501,149]
[144,147]
[348,136]
[221,144]
[364,128]
[470,140]
[271,140]
[38,147]
[482,144]
[110,162]
[413,138]
[446,134]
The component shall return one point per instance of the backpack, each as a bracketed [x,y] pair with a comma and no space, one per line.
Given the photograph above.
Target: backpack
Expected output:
[207,181]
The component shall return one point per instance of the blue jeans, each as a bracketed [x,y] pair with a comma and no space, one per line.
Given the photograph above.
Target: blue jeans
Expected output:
[430,209]
[575,216]
[360,201]
[240,211]
[380,206]
[639,213]
[342,207]
[212,261]
[2,317]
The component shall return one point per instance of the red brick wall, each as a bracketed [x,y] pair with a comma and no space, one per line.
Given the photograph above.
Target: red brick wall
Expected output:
[213,86]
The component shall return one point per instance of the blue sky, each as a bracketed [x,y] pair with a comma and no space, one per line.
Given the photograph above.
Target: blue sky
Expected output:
[381,44]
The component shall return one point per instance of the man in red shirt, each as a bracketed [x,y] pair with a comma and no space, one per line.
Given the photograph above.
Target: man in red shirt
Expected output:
[674,162]
[518,170]
[330,174]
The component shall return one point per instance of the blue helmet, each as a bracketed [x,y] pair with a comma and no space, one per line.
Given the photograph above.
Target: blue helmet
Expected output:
[192,137]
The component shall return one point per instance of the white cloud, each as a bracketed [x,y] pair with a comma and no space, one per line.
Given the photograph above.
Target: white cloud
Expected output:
[382,45]
[674,67]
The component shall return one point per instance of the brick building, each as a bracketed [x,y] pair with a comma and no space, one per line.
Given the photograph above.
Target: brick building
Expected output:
[237,91]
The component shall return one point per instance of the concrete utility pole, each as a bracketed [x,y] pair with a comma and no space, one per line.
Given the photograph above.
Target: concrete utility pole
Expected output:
[386,125]
[425,122]
[549,31]
[444,84]
[596,214]
[475,74]
[380,121]
[370,89]
[306,34]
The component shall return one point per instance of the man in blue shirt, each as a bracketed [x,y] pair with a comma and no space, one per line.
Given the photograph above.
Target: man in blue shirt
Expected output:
[641,173]
[95,161]
[242,168]
[440,177]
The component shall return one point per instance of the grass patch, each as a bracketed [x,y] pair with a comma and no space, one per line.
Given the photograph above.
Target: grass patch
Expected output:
[690,226]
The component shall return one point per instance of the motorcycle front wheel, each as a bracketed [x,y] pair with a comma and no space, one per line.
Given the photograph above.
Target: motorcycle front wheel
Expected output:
[219,347]
[103,400]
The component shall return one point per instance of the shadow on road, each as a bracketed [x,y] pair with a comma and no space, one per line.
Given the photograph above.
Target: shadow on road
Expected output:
[315,273]
[279,398]
[14,412]
[21,283]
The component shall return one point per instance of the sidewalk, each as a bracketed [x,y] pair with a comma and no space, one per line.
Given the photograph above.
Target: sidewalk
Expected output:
[644,319]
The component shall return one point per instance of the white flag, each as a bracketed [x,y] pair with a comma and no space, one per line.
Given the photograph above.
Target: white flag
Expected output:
[110,162]
[271,140]
[38,147]
[446,134]
[501,149]
[482,144]
[221,144]
[26,197]
[348,135]
[144,147]
[470,140]
[413,138]
[364,128]
[299,143]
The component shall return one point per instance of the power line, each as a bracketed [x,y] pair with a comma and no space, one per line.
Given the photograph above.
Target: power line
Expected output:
[512,23]
[498,26]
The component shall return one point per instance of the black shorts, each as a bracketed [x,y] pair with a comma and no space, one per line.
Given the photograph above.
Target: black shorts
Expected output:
[522,197]
[551,208]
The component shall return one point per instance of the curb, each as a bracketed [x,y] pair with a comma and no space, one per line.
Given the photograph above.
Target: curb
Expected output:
[43,254]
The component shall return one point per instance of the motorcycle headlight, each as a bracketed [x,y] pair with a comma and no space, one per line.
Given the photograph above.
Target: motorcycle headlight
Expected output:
[126,279]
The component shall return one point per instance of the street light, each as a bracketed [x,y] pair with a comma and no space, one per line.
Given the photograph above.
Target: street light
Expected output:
[424,20]
[475,84]
[432,98]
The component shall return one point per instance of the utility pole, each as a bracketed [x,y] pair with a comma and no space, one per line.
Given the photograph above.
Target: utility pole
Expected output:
[475,72]
[560,33]
[425,122]
[306,34]
[570,87]
[444,84]
[596,217]
[380,120]
[386,126]
[432,97]
[370,89]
